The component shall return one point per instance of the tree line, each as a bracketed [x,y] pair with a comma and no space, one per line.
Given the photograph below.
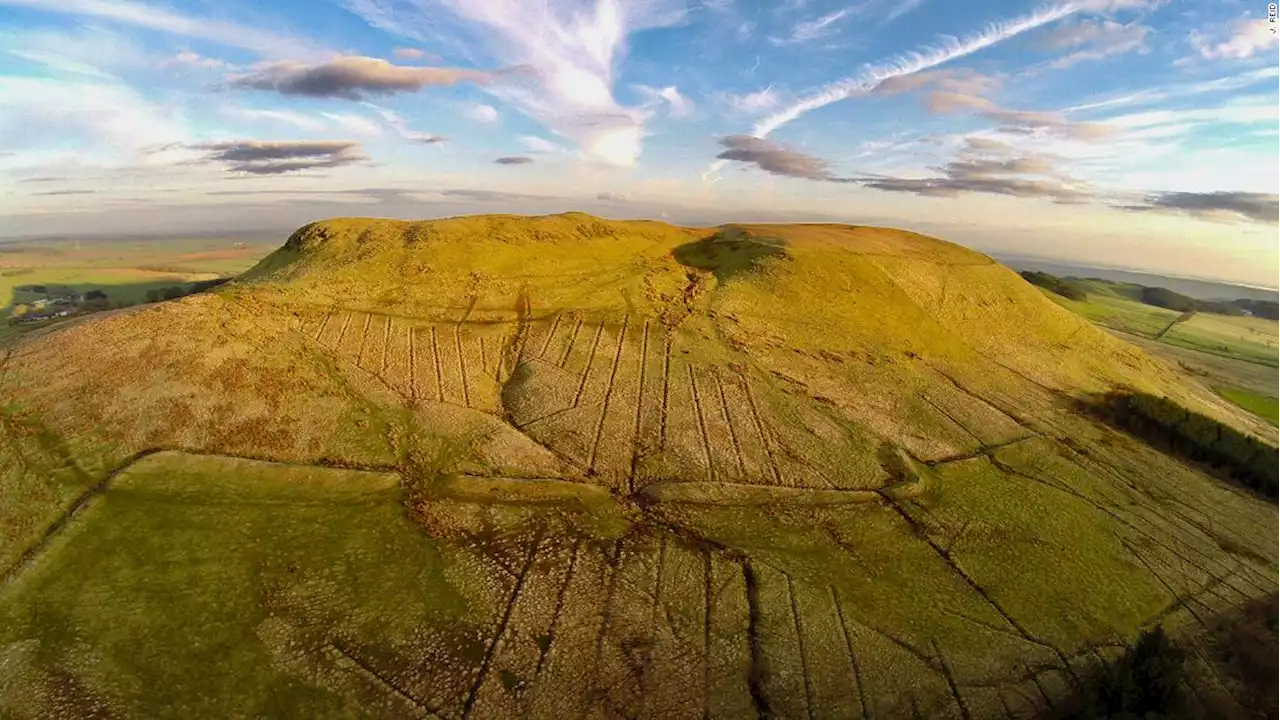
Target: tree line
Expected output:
[174,292]
[1074,289]
[1066,287]
[1246,459]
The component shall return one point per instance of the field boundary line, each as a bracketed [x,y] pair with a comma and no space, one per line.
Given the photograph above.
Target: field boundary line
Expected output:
[77,505]
[591,359]
[635,432]
[608,395]
[702,424]
[372,672]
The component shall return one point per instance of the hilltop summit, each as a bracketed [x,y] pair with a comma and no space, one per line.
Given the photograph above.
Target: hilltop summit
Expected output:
[763,451]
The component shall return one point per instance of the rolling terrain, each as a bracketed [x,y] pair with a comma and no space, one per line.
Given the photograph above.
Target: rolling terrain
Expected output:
[501,466]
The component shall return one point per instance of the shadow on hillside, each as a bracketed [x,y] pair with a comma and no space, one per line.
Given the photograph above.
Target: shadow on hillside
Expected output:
[1213,446]
[1225,669]
[729,252]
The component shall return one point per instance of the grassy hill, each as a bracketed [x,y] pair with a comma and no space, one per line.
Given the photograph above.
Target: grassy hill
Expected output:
[649,470]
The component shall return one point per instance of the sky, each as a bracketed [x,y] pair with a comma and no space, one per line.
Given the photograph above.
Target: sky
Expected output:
[1125,133]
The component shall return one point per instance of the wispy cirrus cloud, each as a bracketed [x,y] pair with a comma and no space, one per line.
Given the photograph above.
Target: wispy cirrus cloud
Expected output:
[571,53]
[808,30]
[1238,41]
[902,8]
[1094,39]
[677,105]
[910,63]
[1161,94]
[286,117]
[398,123]
[959,91]
[351,78]
[752,103]
[152,17]
[539,145]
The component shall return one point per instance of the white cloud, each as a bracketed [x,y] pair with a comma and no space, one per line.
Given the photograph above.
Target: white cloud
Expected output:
[405,53]
[107,124]
[754,103]
[354,124]
[298,120]
[538,145]
[89,51]
[482,113]
[570,53]
[903,7]
[911,63]
[155,18]
[807,30]
[1244,39]
[1096,39]
[1240,111]
[190,59]
[1151,96]
[679,105]
[1110,7]
[322,122]
[398,123]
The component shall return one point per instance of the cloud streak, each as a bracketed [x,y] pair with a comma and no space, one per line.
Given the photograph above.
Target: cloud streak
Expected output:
[351,78]
[775,158]
[1246,38]
[911,63]
[807,30]
[1219,206]
[571,53]
[260,157]
[401,127]
[150,17]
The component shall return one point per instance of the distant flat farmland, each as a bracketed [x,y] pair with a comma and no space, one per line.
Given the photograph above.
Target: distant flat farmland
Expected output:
[126,269]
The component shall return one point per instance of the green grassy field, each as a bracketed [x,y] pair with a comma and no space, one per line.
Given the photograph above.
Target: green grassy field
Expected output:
[1117,312]
[1251,339]
[125,269]
[1246,338]
[1266,407]
[236,567]
[606,469]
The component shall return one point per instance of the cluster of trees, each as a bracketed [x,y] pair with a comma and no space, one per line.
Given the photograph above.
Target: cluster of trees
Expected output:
[1066,287]
[1262,308]
[1147,682]
[1160,297]
[1236,655]
[174,292]
[1074,289]
[1197,437]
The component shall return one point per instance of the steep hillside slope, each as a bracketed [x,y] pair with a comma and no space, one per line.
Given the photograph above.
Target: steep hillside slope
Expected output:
[799,433]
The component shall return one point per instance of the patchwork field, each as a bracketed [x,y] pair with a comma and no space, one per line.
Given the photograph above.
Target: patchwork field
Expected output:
[785,471]
[125,269]
[1252,339]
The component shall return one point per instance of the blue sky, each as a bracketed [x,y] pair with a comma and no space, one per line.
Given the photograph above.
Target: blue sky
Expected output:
[1134,133]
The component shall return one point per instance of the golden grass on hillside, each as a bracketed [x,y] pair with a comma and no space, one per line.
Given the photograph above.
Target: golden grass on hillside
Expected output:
[633,448]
